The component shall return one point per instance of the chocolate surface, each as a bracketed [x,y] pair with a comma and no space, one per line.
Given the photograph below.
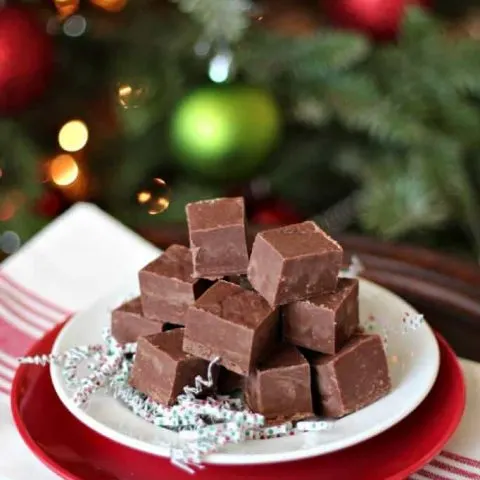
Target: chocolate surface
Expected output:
[175,262]
[325,322]
[234,324]
[163,308]
[293,263]
[280,387]
[217,237]
[240,280]
[168,286]
[161,369]
[128,322]
[353,378]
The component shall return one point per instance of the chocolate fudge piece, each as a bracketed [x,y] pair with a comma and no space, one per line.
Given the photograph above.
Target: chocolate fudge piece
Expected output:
[161,369]
[217,237]
[280,387]
[294,262]
[168,286]
[234,324]
[353,378]
[229,381]
[128,322]
[325,322]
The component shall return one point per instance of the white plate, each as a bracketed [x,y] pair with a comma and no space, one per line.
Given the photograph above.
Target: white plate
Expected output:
[413,361]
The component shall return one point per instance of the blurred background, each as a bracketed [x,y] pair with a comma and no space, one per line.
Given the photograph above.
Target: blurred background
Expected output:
[361,114]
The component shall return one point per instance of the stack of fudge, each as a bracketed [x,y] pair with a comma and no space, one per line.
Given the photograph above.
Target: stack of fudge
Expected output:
[284,326]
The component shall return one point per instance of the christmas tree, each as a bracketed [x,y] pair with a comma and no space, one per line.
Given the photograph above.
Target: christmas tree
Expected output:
[361,114]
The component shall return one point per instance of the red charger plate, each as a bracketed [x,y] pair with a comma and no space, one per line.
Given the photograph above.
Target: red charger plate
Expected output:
[75,452]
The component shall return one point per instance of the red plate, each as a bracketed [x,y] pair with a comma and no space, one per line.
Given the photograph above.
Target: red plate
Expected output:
[73,451]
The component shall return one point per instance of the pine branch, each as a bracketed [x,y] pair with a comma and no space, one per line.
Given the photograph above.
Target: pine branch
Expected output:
[461,119]
[360,105]
[220,19]
[464,58]
[302,59]
[397,200]
[311,111]
[329,51]
[19,159]
[447,173]
[417,25]
[21,179]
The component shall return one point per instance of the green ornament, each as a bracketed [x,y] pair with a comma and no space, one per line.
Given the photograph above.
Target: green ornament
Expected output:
[225,131]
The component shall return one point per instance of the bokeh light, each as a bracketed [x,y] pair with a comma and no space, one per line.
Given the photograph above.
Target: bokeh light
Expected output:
[110,5]
[66,8]
[220,67]
[75,26]
[78,190]
[144,197]
[156,198]
[7,209]
[63,170]
[9,242]
[73,136]
[202,47]
[130,96]
[10,202]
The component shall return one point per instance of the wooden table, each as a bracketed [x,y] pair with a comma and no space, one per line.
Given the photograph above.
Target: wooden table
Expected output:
[444,289]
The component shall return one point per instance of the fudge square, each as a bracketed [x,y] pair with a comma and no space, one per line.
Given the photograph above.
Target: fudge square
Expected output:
[217,237]
[325,322]
[353,378]
[280,387]
[168,286]
[128,322]
[294,262]
[234,324]
[161,369]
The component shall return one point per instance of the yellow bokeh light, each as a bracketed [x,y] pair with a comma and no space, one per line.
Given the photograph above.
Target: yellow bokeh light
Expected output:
[79,189]
[63,170]
[159,206]
[73,136]
[66,7]
[110,5]
[144,197]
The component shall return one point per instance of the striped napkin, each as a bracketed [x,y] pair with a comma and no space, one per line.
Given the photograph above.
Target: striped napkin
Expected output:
[73,262]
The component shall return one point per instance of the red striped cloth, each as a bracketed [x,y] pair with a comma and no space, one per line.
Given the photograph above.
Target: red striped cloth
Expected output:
[25,316]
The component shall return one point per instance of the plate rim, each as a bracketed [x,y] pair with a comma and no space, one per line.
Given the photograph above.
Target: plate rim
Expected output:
[433,450]
[223,458]
[15,398]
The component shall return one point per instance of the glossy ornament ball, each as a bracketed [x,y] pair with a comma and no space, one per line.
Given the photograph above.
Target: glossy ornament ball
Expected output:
[156,197]
[274,212]
[380,19]
[26,64]
[225,132]
[49,204]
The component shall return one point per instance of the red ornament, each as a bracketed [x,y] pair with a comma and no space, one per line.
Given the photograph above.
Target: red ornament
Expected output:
[275,212]
[26,59]
[380,19]
[49,204]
